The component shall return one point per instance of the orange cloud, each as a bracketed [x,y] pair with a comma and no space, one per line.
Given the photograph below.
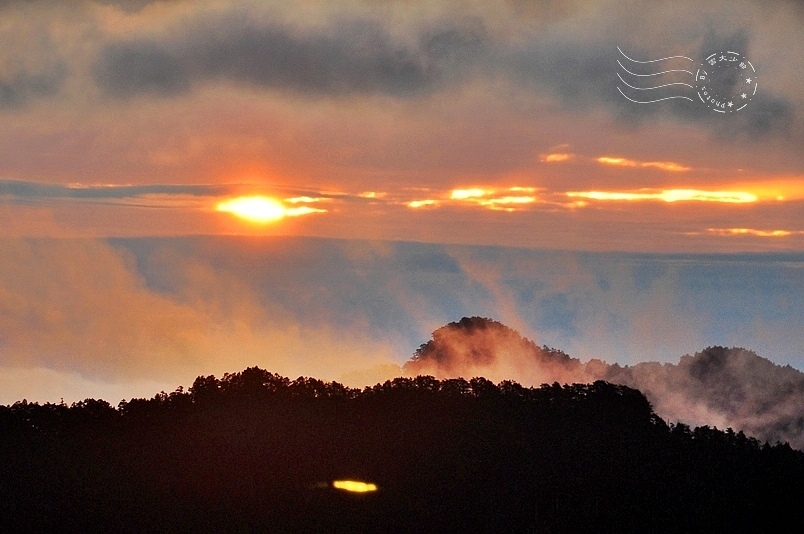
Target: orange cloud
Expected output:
[496,199]
[556,157]
[775,189]
[668,195]
[78,312]
[624,162]
[670,166]
[372,194]
[304,200]
[753,232]
[463,194]
[506,203]
[522,189]
[421,203]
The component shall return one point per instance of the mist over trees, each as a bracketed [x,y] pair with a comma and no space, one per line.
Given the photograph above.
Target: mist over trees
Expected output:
[723,387]
[256,451]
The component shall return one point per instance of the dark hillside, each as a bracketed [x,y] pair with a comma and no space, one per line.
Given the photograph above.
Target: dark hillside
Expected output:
[254,451]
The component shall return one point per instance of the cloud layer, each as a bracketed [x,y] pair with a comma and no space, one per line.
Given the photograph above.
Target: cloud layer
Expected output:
[408,100]
[145,310]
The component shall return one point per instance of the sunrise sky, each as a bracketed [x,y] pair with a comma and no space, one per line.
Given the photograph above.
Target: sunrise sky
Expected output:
[495,123]
[464,122]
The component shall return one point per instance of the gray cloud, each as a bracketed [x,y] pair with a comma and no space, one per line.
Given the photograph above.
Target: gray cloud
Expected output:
[18,89]
[349,56]
[131,6]
[25,191]
[583,75]
[126,69]
[36,190]
[363,56]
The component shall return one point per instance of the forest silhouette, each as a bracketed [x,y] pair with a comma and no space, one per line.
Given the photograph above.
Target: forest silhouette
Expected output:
[256,451]
[730,387]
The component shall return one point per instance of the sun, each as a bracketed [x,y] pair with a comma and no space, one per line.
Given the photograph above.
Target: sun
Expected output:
[258,209]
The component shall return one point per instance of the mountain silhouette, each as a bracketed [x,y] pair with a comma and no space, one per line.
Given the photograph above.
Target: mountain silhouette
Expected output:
[478,346]
[719,386]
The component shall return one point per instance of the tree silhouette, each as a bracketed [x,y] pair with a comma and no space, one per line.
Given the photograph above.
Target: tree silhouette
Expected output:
[255,451]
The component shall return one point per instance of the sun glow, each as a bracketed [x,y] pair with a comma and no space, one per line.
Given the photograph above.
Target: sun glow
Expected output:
[258,209]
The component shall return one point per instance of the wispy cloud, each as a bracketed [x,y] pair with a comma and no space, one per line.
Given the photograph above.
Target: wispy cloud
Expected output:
[494,198]
[428,202]
[625,162]
[159,195]
[35,190]
[616,161]
[753,232]
[668,195]
[556,157]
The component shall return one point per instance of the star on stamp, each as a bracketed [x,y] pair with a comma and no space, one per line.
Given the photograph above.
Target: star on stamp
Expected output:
[724,82]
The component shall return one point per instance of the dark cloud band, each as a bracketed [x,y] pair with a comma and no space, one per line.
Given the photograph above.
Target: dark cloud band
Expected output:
[362,56]
[355,56]
[36,190]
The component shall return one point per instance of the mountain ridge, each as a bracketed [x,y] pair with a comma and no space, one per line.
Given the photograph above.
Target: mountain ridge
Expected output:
[724,387]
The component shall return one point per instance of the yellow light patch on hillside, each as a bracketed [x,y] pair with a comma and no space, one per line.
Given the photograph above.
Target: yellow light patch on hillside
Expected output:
[354,486]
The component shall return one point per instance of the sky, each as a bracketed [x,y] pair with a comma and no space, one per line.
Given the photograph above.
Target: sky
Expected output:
[512,128]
